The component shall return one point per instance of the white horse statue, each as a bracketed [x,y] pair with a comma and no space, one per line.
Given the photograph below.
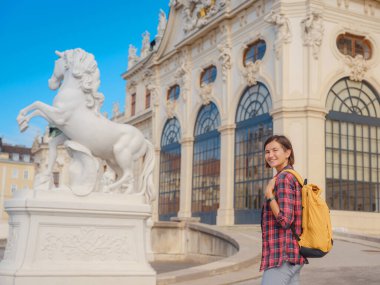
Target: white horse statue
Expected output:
[75,113]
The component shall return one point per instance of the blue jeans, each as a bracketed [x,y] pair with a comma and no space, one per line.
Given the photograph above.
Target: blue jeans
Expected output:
[286,274]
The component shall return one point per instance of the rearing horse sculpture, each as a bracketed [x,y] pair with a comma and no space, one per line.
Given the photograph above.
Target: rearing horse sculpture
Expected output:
[75,112]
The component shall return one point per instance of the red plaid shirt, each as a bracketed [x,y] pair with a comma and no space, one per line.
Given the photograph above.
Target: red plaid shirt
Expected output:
[279,245]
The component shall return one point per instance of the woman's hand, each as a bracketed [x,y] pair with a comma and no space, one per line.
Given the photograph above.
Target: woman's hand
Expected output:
[270,188]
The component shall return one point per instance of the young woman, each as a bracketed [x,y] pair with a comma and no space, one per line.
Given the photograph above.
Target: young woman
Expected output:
[281,260]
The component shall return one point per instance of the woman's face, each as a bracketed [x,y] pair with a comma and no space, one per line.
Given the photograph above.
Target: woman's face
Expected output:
[276,156]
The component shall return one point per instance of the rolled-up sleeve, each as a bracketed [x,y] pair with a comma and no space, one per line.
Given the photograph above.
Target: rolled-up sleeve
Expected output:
[285,193]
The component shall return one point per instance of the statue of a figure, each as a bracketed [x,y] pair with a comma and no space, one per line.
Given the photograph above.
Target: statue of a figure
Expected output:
[132,56]
[115,109]
[145,44]
[313,32]
[161,23]
[75,119]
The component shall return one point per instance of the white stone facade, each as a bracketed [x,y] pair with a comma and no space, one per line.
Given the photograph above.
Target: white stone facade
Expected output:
[300,66]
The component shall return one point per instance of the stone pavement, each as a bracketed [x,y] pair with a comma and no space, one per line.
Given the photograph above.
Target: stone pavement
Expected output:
[353,260]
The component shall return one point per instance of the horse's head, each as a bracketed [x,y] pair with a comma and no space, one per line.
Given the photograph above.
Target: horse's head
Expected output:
[58,72]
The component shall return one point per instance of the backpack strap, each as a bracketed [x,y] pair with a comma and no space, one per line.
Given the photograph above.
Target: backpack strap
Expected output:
[296,175]
[300,181]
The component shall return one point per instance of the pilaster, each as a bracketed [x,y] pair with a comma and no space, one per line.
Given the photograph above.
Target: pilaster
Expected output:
[226,207]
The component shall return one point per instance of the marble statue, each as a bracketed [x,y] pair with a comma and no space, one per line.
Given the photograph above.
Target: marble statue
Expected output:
[76,121]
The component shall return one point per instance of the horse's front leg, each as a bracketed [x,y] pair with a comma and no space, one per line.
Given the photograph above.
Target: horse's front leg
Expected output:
[51,114]
[23,121]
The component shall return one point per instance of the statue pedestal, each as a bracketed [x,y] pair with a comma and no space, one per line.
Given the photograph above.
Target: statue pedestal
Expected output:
[58,238]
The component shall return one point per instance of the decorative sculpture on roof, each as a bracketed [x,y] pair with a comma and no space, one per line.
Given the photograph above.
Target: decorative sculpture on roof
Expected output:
[115,109]
[313,31]
[87,134]
[197,13]
[145,44]
[132,56]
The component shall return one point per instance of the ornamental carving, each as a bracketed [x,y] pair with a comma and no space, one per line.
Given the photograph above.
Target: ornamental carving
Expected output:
[182,76]
[225,59]
[170,108]
[131,86]
[206,93]
[313,31]
[251,72]
[283,33]
[154,93]
[197,13]
[358,67]
[87,245]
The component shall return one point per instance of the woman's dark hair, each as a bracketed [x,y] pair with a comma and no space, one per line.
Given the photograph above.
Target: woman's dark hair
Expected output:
[285,143]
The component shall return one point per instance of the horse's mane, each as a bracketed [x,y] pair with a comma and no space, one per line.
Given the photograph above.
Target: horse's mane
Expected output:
[84,67]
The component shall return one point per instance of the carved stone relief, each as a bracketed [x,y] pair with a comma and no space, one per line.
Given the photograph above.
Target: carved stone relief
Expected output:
[170,108]
[251,72]
[225,58]
[87,244]
[260,8]
[358,67]
[131,86]
[313,31]
[283,32]
[197,13]
[183,74]
[206,93]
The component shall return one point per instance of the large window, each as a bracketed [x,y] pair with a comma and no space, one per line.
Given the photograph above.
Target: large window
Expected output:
[353,147]
[206,165]
[170,170]
[354,45]
[253,127]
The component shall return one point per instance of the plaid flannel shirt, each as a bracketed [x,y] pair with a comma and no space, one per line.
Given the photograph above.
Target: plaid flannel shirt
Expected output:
[278,243]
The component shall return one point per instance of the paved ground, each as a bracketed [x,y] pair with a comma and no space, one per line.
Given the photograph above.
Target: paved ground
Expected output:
[352,261]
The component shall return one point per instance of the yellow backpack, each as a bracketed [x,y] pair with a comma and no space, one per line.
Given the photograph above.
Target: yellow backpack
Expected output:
[316,238]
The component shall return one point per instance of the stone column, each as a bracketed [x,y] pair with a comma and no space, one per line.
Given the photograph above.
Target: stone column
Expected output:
[226,207]
[187,145]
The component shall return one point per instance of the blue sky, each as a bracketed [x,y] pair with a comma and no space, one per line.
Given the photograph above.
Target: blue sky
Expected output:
[30,32]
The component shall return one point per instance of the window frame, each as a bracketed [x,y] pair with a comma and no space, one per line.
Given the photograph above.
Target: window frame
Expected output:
[353,40]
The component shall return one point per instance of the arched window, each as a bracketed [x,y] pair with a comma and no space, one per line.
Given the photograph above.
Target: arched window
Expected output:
[206,165]
[170,170]
[354,45]
[208,75]
[253,127]
[353,146]
[255,51]
[173,92]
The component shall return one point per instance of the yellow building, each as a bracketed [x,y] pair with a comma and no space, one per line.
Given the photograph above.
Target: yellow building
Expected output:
[16,172]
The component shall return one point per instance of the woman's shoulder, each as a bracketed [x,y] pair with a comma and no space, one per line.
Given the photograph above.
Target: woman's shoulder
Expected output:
[287,176]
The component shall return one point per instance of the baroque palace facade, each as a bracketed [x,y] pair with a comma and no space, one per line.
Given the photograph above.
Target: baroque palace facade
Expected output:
[223,75]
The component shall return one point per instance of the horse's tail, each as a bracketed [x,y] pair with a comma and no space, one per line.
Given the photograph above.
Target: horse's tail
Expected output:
[146,176]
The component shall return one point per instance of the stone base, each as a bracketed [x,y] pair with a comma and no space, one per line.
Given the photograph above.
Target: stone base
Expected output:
[57,238]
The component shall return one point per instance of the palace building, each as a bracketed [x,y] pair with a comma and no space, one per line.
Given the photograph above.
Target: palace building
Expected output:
[223,75]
